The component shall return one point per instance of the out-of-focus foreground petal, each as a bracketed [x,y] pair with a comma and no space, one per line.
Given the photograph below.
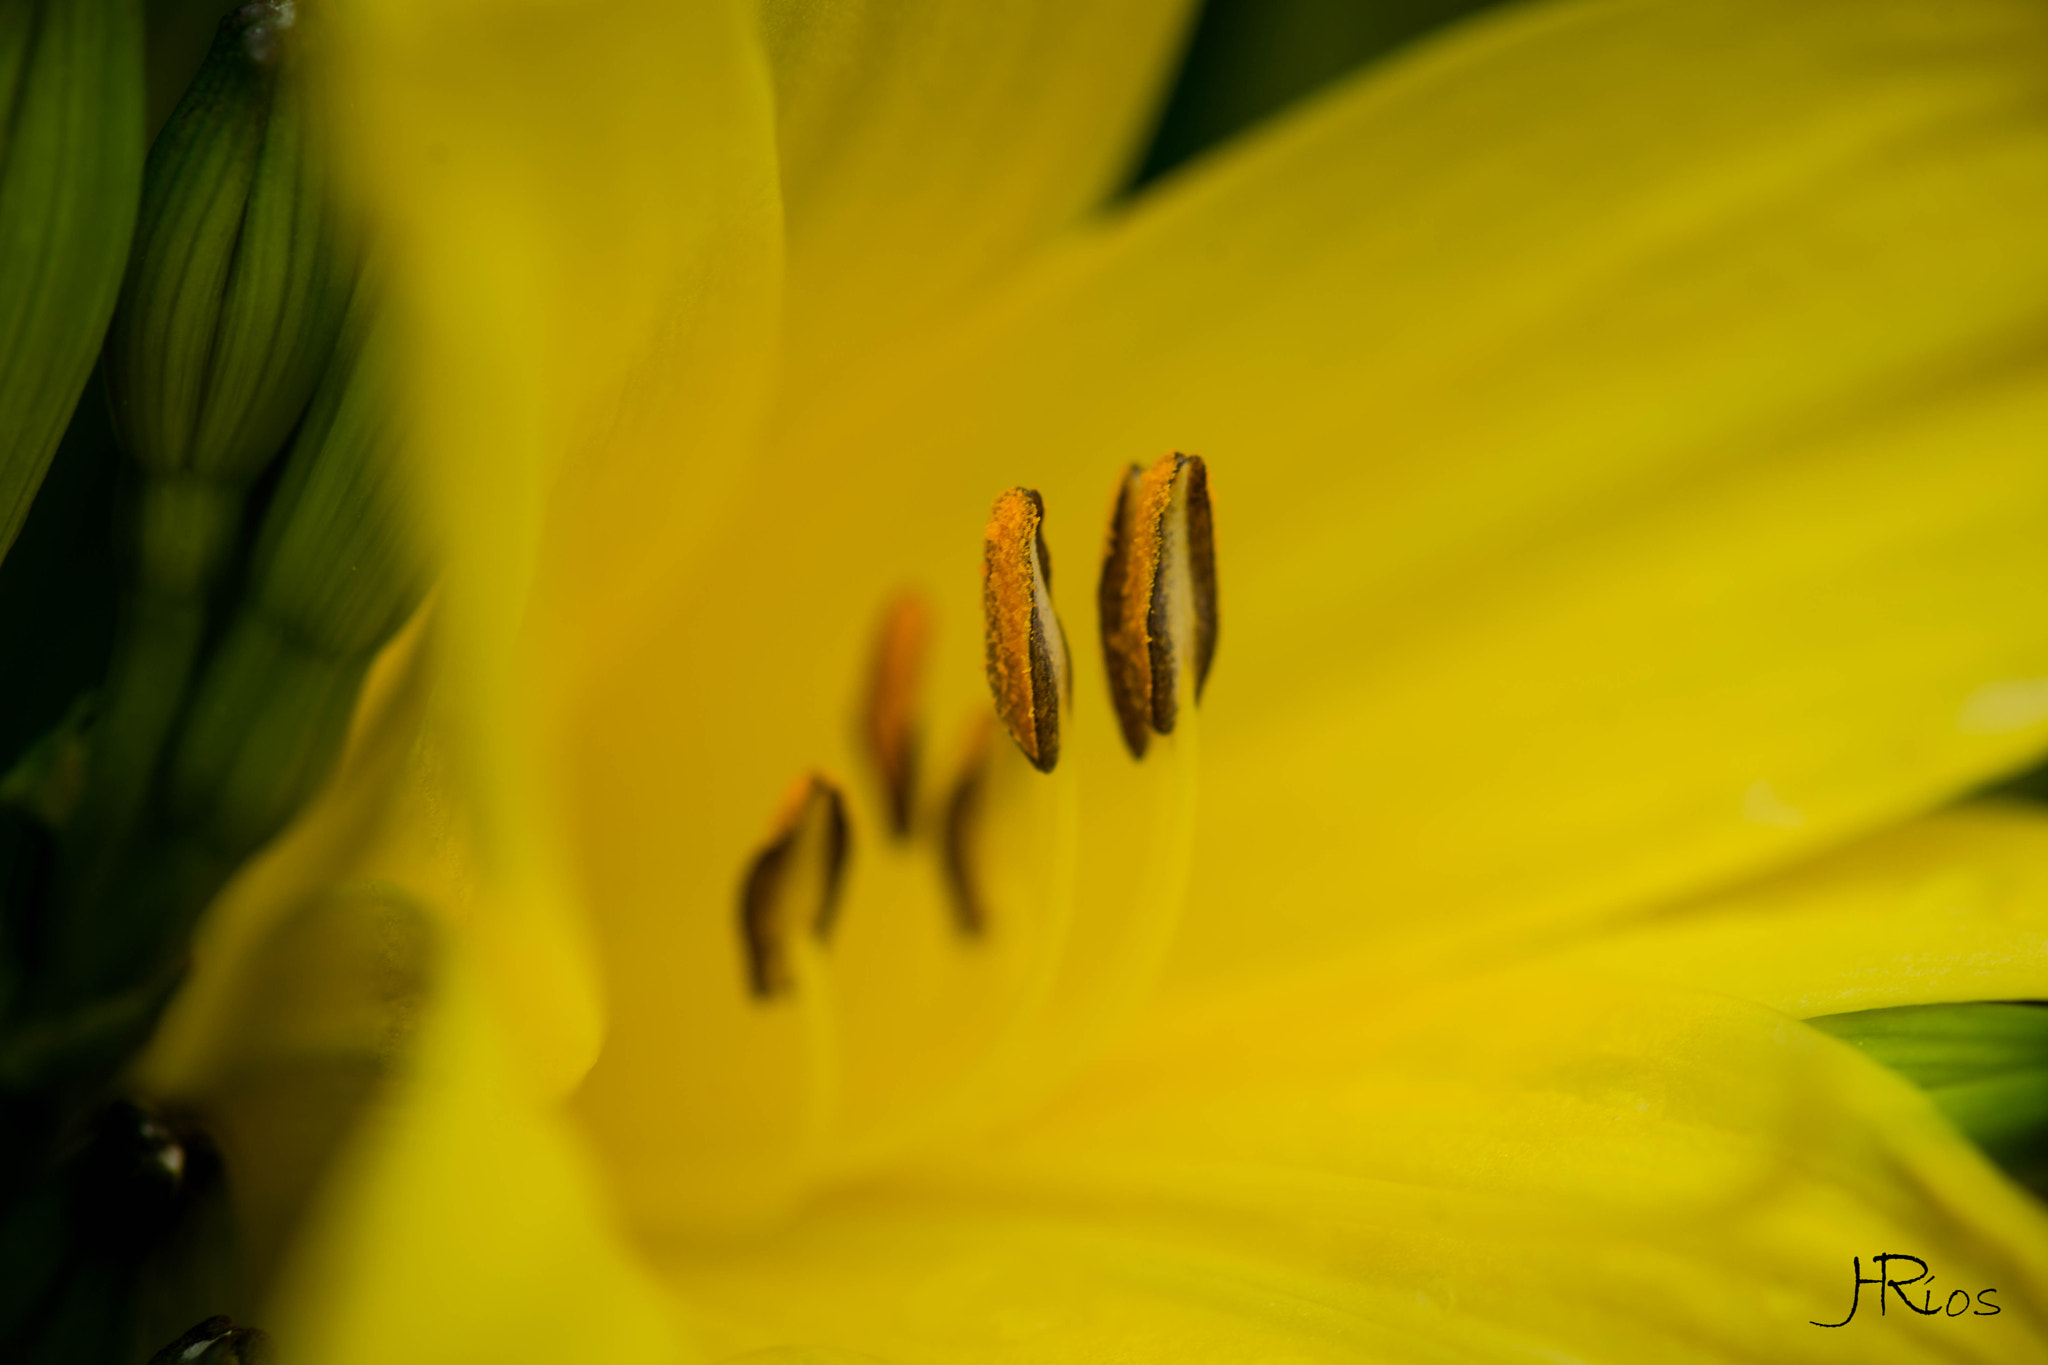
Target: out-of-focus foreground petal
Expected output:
[405,1186]
[1950,908]
[462,1223]
[577,204]
[928,147]
[1524,1168]
[1625,422]
[303,989]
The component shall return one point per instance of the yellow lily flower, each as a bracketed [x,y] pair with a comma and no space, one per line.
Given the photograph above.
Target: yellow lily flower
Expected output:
[1625,425]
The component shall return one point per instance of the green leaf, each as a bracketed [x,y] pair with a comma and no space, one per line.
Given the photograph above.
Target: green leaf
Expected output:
[1248,59]
[71,134]
[1985,1066]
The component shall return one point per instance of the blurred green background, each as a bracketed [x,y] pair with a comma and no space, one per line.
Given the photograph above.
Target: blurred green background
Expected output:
[1250,58]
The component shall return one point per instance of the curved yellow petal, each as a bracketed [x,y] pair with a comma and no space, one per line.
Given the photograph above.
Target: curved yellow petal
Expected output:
[1950,908]
[461,1222]
[577,206]
[1624,423]
[201,1033]
[928,146]
[302,990]
[380,1059]
[577,211]
[1532,1169]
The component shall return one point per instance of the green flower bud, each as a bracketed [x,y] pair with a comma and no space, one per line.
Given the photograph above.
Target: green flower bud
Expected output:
[332,578]
[241,269]
[1985,1066]
[227,319]
[335,561]
[71,140]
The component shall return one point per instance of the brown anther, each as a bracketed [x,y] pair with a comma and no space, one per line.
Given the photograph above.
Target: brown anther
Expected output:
[1157,595]
[1027,650]
[893,688]
[794,882]
[1126,684]
[217,1341]
[962,830]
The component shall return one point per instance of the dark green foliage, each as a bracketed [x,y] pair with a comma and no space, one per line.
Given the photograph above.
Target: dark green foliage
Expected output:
[1985,1065]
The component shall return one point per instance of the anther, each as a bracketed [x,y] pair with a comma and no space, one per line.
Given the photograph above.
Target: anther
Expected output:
[217,1341]
[891,721]
[793,885]
[1157,596]
[962,829]
[1027,650]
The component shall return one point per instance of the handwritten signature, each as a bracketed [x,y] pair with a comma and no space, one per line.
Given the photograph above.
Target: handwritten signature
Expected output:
[1954,1305]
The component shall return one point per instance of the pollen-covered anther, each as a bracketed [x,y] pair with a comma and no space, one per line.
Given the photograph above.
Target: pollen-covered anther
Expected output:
[1157,595]
[891,721]
[1027,649]
[793,884]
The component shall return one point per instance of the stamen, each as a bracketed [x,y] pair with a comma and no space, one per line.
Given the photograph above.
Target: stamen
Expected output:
[1126,686]
[963,827]
[794,882]
[892,705]
[1027,650]
[1157,596]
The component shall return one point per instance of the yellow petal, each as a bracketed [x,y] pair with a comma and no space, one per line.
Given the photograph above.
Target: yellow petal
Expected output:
[928,146]
[1625,430]
[300,994]
[380,1059]
[1953,907]
[577,204]
[1536,1169]
[715,1107]
[462,1223]
[200,1035]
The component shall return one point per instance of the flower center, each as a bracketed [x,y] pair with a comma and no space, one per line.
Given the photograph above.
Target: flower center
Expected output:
[928,931]
[1157,603]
